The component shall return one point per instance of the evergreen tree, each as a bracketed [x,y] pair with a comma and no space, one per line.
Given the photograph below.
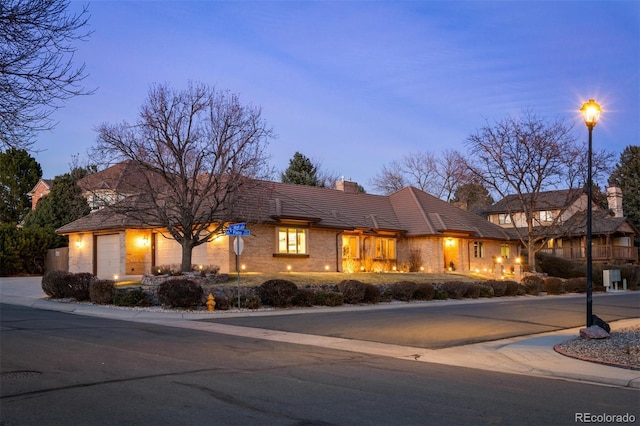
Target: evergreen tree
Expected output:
[301,171]
[19,173]
[62,205]
[626,175]
[472,196]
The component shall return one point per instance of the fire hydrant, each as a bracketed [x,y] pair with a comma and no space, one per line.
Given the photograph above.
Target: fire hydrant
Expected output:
[211,303]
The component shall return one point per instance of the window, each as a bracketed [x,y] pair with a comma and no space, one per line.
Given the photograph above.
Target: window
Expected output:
[385,248]
[505,250]
[504,218]
[292,240]
[546,216]
[350,247]
[478,249]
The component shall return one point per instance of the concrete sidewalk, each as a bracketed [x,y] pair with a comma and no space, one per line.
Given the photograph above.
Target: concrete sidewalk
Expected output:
[529,355]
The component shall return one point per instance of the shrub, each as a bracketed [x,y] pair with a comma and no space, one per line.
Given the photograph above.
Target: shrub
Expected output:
[180,293]
[304,297]
[424,291]
[513,288]
[559,267]
[371,294]
[328,298]
[473,291]
[553,285]
[55,284]
[222,303]
[386,295]
[415,260]
[440,294]
[455,289]
[277,293]
[353,291]
[403,290]
[247,301]
[133,297]
[533,284]
[485,290]
[101,292]
[499,287]
[576,285]
[80,285]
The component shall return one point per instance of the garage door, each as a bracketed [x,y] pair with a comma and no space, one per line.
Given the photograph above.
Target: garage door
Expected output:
[108,256]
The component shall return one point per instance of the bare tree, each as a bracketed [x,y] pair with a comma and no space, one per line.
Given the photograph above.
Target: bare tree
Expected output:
[439,176]
[520,158]
[390,179]
[36,65]
[197,151]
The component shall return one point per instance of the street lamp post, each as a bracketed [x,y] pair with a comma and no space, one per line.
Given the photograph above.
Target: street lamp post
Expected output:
[591,113]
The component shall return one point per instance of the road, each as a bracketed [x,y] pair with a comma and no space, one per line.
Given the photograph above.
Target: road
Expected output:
[436,325]
[63,369]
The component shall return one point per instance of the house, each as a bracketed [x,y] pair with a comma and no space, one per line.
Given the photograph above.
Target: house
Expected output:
[42,188]
[559,217]
[301,228]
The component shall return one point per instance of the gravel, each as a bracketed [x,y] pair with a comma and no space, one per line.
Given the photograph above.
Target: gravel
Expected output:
[622,349]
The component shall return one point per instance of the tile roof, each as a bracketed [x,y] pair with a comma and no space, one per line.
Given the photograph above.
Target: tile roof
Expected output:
[409,211]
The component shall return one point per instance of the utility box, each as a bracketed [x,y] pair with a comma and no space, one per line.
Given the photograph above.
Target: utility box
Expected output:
[611,277]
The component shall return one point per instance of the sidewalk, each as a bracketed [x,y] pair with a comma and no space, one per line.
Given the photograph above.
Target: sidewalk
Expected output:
[529,355]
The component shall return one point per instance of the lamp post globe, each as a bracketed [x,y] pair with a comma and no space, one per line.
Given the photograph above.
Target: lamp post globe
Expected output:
[591,113]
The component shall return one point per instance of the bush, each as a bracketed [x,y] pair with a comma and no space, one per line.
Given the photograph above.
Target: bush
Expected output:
[132,298]
[403,290]
[558,267]
[371,294]
[353,291]
[180,293]
[455,289]
[533,284]
[499,287]
[485,290]
[473,292]
[424,291]
[328,298]
[553,285]
[277,293]
[56,284]
[576,285]
[101,292]
[305,297]
[440,295]
[513,288]
[80,285]
[247,301]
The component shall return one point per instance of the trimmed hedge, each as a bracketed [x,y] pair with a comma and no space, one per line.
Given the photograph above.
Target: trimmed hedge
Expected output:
[553,285]
[132,298]
[55,284]
[101,292]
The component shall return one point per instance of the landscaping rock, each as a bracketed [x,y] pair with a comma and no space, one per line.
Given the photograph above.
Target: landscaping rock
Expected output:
[594,332]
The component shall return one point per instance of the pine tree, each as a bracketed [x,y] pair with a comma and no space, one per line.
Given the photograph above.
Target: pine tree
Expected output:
[19,173]
[626,175]
[301,171]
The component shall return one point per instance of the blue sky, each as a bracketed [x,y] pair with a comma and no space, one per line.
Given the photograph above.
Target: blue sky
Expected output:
[354,85]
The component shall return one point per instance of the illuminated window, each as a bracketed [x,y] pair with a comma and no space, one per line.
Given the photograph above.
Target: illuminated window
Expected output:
[350,247]
[504,218]
[385,248]
[292,240]
[478,249]
[505,251]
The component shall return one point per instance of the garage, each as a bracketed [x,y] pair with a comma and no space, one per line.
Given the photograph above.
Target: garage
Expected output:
[107,256]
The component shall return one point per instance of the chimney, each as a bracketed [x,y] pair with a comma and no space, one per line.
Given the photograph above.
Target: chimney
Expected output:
[614,199]
[346,186]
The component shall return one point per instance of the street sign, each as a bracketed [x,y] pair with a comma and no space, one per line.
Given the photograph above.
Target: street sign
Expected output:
[238,245]
[237,230]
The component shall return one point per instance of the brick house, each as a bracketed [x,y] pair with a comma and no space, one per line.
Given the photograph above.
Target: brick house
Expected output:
[306,229]
[42,188]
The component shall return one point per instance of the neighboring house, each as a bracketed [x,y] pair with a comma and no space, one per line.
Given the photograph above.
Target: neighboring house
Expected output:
[42,188]
[561,217]
[307,229]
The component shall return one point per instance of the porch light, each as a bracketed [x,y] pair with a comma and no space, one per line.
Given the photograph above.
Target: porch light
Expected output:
[518,260]
[79,243]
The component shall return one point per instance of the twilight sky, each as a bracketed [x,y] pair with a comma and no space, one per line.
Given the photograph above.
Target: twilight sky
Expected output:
[354,85]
